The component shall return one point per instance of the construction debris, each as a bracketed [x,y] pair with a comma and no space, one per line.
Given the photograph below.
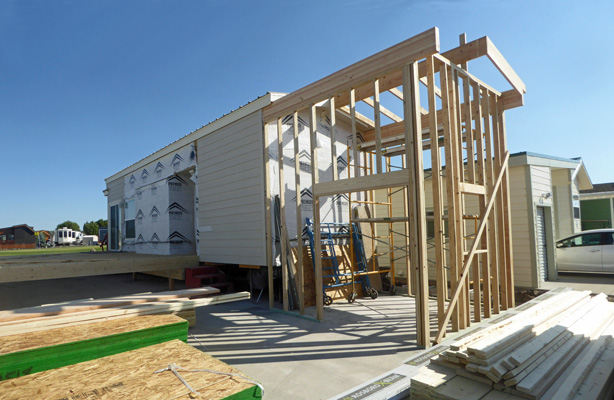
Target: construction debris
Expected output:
[560,347]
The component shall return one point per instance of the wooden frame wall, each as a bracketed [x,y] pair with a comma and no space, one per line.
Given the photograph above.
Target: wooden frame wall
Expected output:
[464,118]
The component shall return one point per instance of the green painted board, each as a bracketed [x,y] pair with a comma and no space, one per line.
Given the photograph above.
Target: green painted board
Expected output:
[20,363]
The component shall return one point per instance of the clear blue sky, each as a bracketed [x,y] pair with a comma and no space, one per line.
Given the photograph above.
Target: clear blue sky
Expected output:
[89,87]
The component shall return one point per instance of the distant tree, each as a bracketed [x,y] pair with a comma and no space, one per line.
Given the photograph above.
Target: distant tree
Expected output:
[69,224]
[90,228]
[102,223]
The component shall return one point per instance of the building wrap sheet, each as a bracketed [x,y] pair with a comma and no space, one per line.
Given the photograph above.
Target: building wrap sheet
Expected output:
[161,204]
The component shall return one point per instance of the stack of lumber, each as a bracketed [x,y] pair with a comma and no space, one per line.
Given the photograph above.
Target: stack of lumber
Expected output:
[24,354]
[181,303]
[558,348]
[132,375]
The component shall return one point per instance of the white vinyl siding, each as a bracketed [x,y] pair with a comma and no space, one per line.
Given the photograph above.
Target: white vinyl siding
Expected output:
[521,237]
[231,194]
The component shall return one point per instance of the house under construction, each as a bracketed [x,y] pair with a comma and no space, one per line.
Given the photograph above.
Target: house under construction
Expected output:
[291,182]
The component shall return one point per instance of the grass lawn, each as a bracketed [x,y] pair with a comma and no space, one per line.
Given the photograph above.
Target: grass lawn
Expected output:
[50,250]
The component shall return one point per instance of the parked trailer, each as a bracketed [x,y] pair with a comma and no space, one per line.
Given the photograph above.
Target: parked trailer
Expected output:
[66,236]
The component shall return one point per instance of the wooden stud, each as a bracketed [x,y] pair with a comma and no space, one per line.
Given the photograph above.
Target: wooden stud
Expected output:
[267,218]
[282,216]
[442,283]
[333,139]
[299,218]
[492,231]
[383,110]
[317,257]
[448,126]
[485,266]
[354,134]
[501,248]
[413,142]
[378,132]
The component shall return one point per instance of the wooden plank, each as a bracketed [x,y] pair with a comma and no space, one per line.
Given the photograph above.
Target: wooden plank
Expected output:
[362,183]
[354,134]
[501,247]
[441,279]
[377,120]
[87,305]
[480,180]
[504,67]
[267,213]
[82,317]
[363,71]
[492,230]
[130,375]
[282,219]
[317,257]
[300,264]
[418,251]
[448,124]
[34,352]
[471,188]
[383,110]
[333,138]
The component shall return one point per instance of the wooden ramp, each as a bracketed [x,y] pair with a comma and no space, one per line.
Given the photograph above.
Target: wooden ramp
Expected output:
[131,375]
[32,268]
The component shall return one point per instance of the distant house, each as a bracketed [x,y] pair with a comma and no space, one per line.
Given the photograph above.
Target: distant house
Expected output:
[597,206]
[17,237]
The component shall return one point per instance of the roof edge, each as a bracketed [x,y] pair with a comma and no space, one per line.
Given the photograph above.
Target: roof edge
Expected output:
[219,123]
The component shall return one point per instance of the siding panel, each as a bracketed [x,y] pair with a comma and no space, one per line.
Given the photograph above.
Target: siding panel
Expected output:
[231,194]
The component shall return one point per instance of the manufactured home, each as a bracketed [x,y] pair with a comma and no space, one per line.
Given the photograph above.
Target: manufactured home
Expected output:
[17,237]
[597,206]
[283,182]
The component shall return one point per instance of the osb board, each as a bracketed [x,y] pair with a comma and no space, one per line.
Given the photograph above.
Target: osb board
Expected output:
[28,353]
[54,337]
[87,305]
[130,375]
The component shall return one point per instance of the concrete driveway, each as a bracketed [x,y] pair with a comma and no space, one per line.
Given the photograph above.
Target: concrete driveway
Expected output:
[596,283]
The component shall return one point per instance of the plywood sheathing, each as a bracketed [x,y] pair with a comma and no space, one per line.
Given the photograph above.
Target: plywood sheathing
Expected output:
[130,375]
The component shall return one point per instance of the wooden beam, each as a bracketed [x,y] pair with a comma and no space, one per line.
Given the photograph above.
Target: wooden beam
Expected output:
[361,183]
[474,248]
[504,67]
[363,71]
[333,139]
[354,135]
[383,110]
[471,188]
[267,212]
[300,264]
[282,216]
[441,278]
[377,119]
[317,257]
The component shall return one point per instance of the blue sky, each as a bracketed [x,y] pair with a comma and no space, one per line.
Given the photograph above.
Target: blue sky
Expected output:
[89,87]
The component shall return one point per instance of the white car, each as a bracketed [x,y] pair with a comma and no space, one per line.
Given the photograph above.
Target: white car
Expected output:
[588,251]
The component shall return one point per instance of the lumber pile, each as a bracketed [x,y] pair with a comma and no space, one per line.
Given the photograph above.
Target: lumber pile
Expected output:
[561,347]
[132,375]
[72,314]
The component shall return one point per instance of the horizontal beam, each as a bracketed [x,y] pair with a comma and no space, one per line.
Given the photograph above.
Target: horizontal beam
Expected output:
[471,188]
[415,48]
[362,183]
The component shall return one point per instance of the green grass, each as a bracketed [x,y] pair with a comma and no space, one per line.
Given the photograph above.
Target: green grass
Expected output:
[51,250]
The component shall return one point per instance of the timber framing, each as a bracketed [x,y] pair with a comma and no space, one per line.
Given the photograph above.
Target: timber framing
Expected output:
[458,131]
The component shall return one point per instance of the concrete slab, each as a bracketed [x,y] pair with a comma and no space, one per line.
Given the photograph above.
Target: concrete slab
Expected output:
[596,283]
[302,359]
